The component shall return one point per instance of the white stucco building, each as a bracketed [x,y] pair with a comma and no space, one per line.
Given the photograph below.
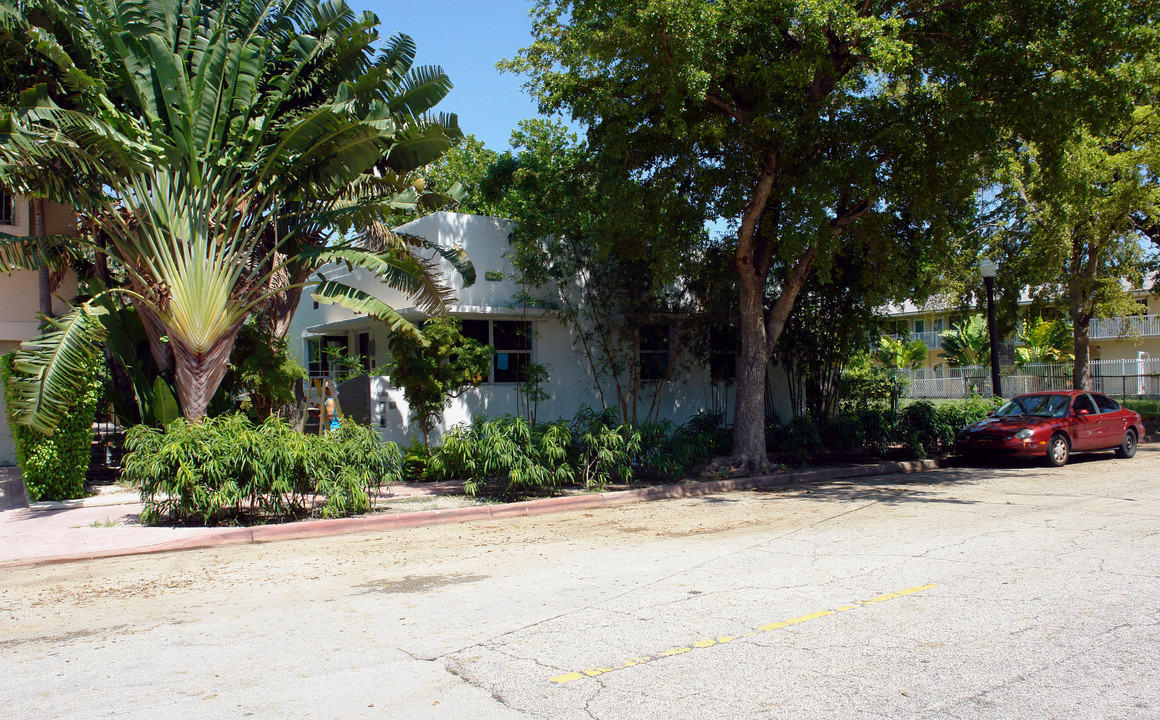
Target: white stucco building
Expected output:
[492,313]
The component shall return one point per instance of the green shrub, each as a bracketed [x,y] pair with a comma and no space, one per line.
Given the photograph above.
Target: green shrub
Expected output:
[866,390]
[666,453]
[521,459]
[876,429]
[54,466]
[603,450]
[227,469]
[416,458]
[843,433]
[774,428]
[924,430]
[713,426]
[957,415]
[1150,409]
[798,440]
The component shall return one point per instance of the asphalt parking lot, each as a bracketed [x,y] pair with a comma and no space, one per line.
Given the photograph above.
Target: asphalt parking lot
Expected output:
[1001,591]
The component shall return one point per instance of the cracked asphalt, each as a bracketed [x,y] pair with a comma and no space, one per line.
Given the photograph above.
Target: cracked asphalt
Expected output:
[1032,593]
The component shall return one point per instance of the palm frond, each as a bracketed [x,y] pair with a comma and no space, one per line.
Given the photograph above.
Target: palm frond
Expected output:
[25,253]
[51,368]
[336,293]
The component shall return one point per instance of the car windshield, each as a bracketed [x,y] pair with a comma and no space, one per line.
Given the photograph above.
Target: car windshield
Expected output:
[1038,405]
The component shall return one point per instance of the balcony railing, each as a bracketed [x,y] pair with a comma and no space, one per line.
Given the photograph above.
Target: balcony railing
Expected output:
[1125,327]
[932,340]
[1113,377]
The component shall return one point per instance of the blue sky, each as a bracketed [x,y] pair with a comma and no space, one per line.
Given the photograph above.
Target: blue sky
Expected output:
[467,38]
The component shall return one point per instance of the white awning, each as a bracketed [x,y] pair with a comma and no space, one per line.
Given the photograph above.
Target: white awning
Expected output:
[412,313]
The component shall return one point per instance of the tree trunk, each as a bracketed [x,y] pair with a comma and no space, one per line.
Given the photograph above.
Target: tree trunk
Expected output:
[1082,370]
[280,309]
[200,373]
[161,351]
[752,360]
[1081,284]
[44,276]
[752,262]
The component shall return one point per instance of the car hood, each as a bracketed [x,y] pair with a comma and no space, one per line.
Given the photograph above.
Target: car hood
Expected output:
[1008,424]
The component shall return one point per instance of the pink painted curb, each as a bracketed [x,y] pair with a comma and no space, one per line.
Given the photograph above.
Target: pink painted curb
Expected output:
[372,523]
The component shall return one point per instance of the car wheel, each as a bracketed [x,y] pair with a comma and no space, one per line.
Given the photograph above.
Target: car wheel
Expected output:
[1127,448]
[1058,449]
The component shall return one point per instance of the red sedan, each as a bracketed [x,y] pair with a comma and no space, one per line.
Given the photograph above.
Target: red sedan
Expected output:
[1054,425]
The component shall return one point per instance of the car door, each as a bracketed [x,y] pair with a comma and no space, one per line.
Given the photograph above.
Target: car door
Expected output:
[1112,421]
[1083,426]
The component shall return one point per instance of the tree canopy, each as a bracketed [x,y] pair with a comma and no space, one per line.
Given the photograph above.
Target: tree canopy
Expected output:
[806,123]
[225,149]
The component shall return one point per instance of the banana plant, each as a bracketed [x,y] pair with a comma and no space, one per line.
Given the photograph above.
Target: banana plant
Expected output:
[1044,341]
[967,343]
[900,354]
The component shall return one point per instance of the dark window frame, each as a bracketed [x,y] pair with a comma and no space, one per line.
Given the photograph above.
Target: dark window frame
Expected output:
[7,208]
[653,350]
[514,358]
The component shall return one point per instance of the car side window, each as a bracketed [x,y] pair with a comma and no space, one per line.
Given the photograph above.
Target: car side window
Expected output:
[1083,402]
[1105,403]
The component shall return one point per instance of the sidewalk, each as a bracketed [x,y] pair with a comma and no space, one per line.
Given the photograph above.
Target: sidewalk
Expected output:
[106,525]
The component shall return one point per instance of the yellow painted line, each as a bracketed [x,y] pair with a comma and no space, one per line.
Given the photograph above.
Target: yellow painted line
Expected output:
[722,639]
[674,651]
[807,618]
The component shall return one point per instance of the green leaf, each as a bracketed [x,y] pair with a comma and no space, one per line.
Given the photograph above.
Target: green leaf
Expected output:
[53,368]
[165,409]
[336,293]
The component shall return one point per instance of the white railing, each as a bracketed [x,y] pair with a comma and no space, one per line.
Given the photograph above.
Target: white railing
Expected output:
[1125,327]
[1114,377]
[930,339]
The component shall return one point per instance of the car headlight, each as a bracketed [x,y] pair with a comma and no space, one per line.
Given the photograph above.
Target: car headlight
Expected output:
[1022,434]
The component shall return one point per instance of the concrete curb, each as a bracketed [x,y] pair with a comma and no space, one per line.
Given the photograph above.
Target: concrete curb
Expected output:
[373,523]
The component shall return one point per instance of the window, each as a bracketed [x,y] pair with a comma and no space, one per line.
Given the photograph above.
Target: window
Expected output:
[512,340]
[938,325]
[364,349]
[7,208]
[654,351]
[723,342]
[1105,403]
[318,362]
[919,327]
[1083,402]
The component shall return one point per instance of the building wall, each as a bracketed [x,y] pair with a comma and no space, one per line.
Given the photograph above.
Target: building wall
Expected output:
[20,297]
[1124,348]
[571,384]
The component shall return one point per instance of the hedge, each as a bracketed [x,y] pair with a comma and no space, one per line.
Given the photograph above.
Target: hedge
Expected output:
[54,466]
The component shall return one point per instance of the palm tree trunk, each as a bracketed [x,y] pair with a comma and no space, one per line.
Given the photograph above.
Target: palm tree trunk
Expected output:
[44,276]
[200,373]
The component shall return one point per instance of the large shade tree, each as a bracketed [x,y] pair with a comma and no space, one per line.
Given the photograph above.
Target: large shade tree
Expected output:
[220,147]
[801,121]
[1072,220]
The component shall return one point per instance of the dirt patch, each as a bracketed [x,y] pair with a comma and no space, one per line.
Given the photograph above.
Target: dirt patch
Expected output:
[419,583]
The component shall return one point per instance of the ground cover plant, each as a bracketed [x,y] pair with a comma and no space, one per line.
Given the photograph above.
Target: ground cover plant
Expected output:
[511,458]
[1149,410]
[508,458]
[922,429]
[228,469]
